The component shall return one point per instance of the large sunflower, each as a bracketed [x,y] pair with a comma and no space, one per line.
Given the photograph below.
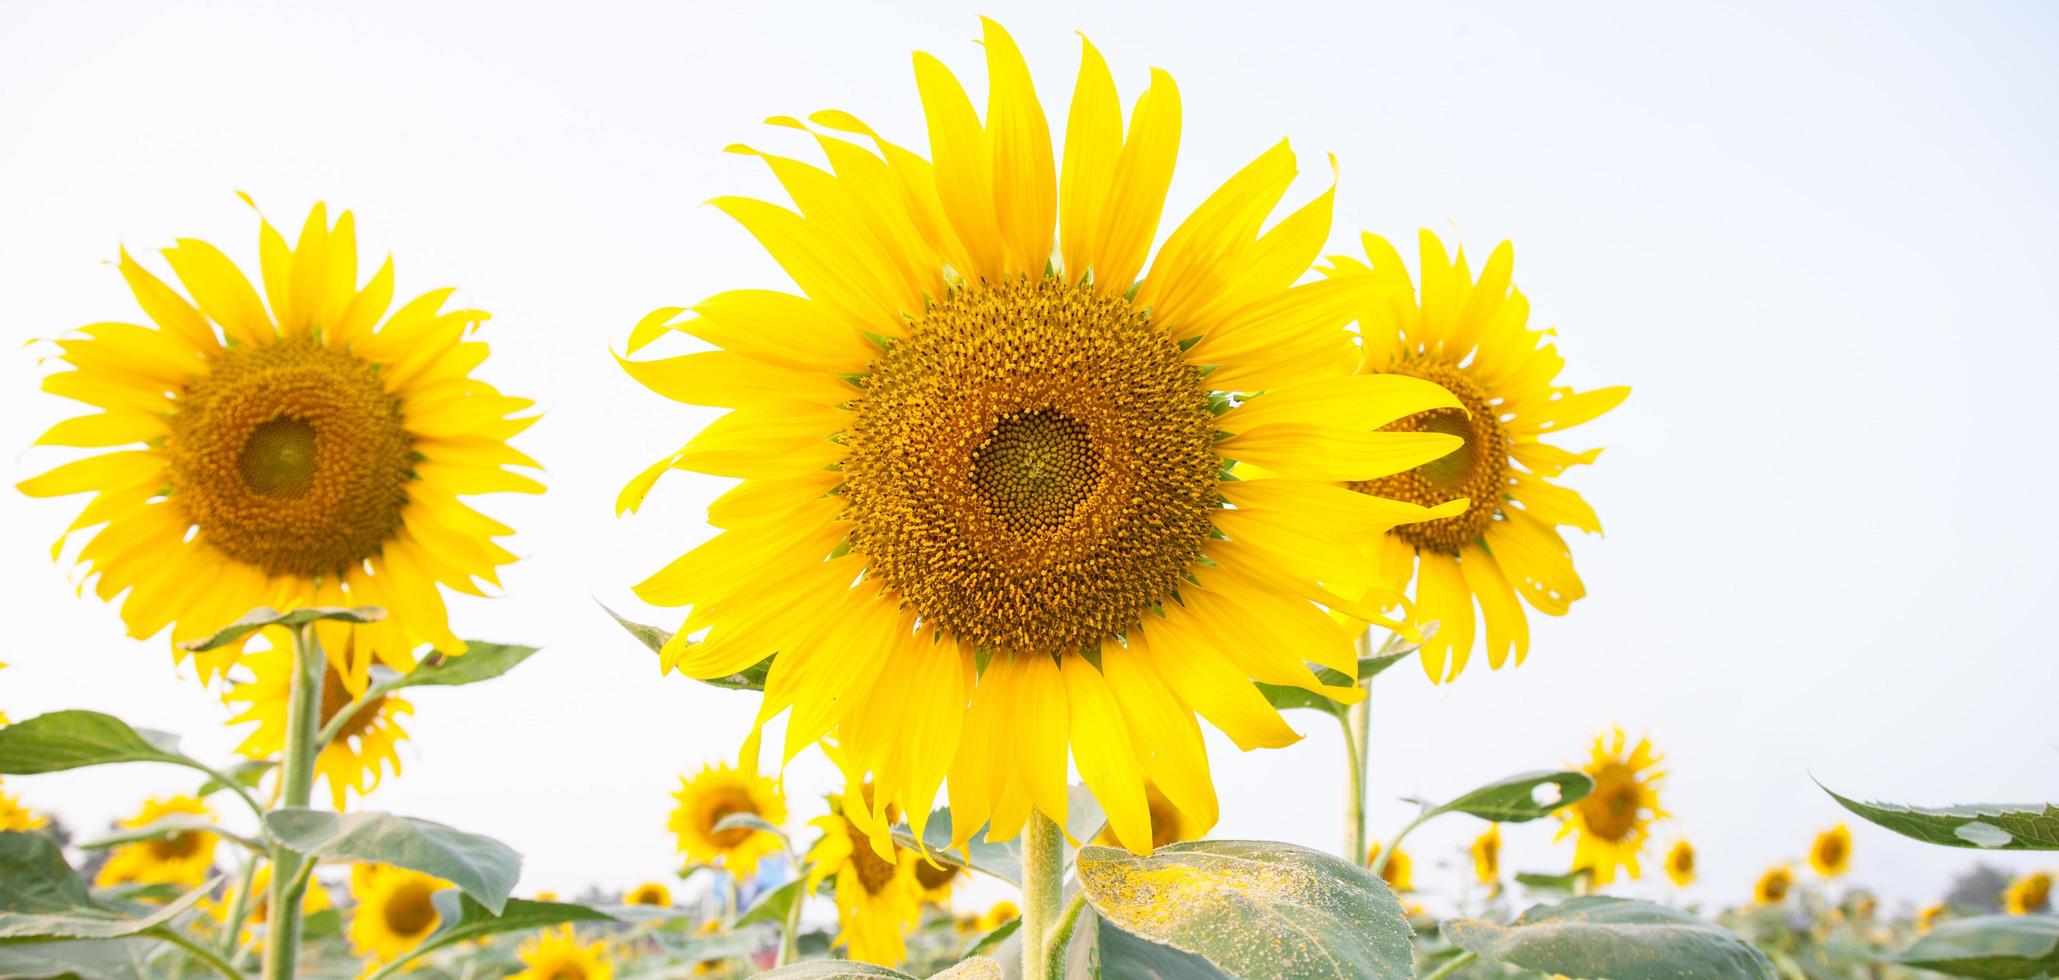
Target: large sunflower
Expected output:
[557,954]
[1473,338]
[717,792]
[1613,823]
[184,858]
[984,515]
[364,747]
[396,909]
[301,453]
[877,898]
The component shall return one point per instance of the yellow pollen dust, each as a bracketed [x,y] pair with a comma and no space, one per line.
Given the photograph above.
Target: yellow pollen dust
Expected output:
[1610,812]
[1032,467]
[290,457]
[1477,471]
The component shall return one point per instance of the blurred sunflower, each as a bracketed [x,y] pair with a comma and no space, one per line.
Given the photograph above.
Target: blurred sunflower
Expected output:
[1773,886]
[314,899]
[653,893]
[1399,874]
[996,915]
[717,792]
[983,516]
[557,954]
[1169,824]
[301,454]
[1830,854]
[1614,822]
[1474,339]
[2028,894]
[1680,863]
[877,898]
[1487,856]
[1928,917]
[935,879]
[364,748]
[396,909]
[183,858]
[14,816]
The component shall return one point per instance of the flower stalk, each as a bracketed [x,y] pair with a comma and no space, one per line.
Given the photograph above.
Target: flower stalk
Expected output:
[1043,893]
[296,787]
[1358,737]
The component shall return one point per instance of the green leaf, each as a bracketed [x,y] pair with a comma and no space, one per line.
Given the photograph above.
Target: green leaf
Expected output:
[749,821]
[247,774]
[774,905]
[479,662]
[86,959]
[832,970]
[1618,938]
[1254,909]
[482,867]
[1996,946]
[1993,826]
[1003,860]
[64,740]
[42,898]
[1369,667]
[264,616]
[465,919]
[985,945]
[1514,800]
[976,968]
[751,678]
[167,827]
[1285,698]
[1126,956]
[1566,884]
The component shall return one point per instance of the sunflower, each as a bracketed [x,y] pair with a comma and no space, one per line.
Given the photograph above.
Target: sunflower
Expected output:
[1169,824]
[1473,338]
[2028,894]
[1928,918]
[1487,855]
[984,514]
[314,899]
[363,749]
[1772,887]
[1615,821]
[557,954]
[14,816]
[184,858]
[396,909]
[301,454]
[1830,854]
[652,893]
[996,915]
[935,879]
[1399,872]
[1680,863]
[717,792]
[877,898]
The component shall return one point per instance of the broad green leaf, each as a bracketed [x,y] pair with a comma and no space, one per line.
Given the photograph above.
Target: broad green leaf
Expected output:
[1514,800]
[482,867]
[1003,860]
[976,968]
[1567,883]
[985,945]
[464,919]
[41,897]
[247,774]
[264,616]
[832,970]
[1123,955]
[1617,938]
[1254,909]
[751,678]
[64,740]
[1994,946]
[1994,826]
[86,959]
[479,662]
[1369,667]
[774,905]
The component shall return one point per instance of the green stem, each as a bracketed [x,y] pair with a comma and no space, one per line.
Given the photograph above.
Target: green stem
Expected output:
[1043,891]
[296,782]
[196,950]
[1061,935]
[1450,966]
[1387,853]
[239,907]
[790,931]
[1358,737]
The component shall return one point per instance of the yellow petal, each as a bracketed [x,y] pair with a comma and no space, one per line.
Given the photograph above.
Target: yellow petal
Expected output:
[1136,199]
[1107,761]
[1025,181]
[220,290]
[964,166]
[1093,140]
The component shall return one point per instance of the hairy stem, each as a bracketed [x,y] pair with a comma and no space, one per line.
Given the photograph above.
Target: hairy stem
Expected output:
[296,787]
[1043,891]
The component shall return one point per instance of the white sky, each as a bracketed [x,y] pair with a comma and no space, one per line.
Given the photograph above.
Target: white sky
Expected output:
[1817,240]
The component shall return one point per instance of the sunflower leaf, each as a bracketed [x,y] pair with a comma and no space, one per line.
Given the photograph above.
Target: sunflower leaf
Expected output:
[479,662]
[988,943]
[1993,826]
[1283,697]
[42,898]
[63,740]
[975,968]
[264,616]
[465,919]
[168,827]
[833,970]
[774,905]
[751,678]
[1514,799]
[748,821]
[482,867]
[1124,955]
[247,774]
[127,958]
[1254,909]
[1997,946]
[1623,939]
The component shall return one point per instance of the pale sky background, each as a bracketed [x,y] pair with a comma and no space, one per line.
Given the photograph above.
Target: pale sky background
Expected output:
[1818,241]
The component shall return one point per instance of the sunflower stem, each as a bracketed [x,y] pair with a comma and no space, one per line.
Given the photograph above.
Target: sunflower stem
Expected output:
[296,787]
[239,907]
[1043,891]
[1358,738]
[1061,935]
[1450,966]
[197,950]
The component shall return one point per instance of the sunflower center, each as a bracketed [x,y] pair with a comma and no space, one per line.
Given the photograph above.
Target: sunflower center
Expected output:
[409,909]
[174,847]
[723,806]
[1031,467]
[336,697]
[1610,812]
[1477,470]
[1831,851]
[290,457]
[1683,861]
[875,873]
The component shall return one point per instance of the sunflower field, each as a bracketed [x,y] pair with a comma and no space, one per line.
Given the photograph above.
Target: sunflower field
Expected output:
[1038,484]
